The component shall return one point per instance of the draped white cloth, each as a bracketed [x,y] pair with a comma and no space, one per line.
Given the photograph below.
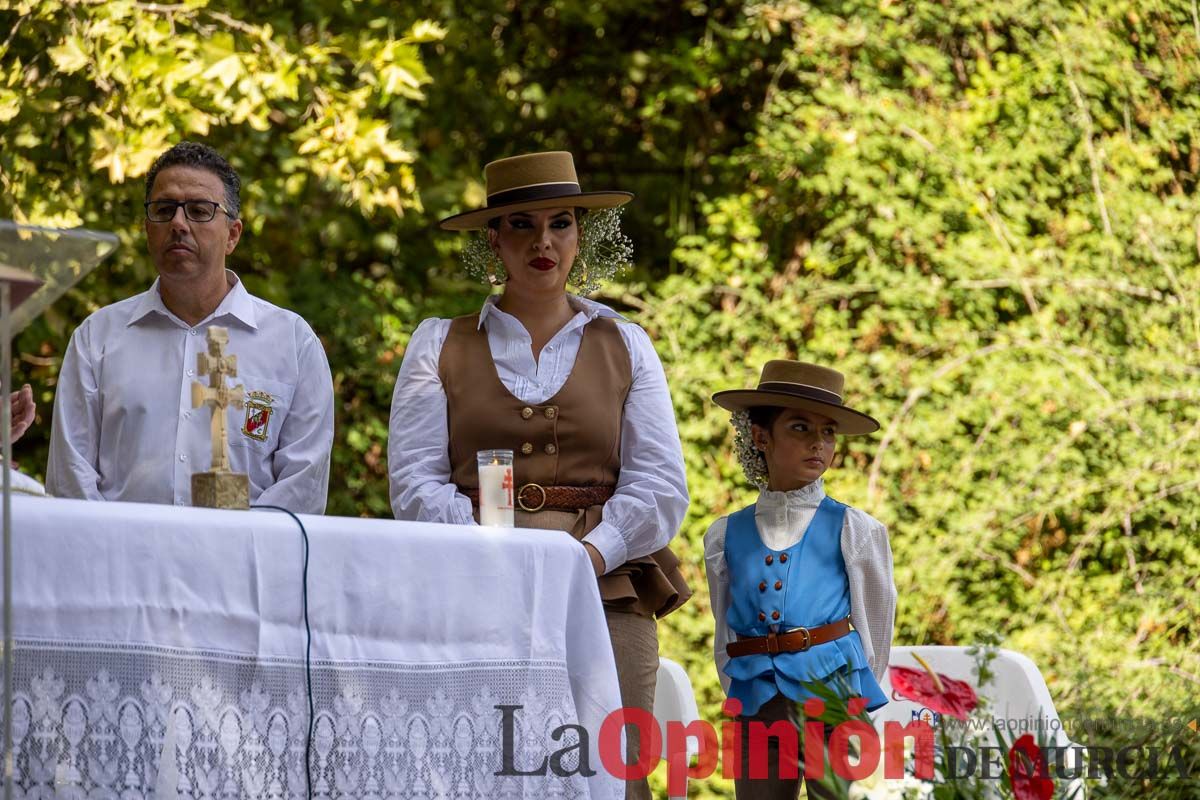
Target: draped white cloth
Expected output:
[144,630]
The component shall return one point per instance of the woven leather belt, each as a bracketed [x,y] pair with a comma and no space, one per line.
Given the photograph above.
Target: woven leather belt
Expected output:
[794,641]
[533,497]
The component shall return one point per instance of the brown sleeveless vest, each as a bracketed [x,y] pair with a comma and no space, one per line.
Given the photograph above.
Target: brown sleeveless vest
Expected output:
[573,439]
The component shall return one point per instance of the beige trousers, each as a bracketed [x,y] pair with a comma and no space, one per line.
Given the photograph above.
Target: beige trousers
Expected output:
[635,649]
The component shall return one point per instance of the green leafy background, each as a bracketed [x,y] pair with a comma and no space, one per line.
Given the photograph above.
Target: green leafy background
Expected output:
[984,213]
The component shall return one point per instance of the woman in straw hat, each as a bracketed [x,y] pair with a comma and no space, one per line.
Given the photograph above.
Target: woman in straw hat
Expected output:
[801,585]
[576,393]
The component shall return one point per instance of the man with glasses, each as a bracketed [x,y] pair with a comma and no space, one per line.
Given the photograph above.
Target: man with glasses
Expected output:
[124,427]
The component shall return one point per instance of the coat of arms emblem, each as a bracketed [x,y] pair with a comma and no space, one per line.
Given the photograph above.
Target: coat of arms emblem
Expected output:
[258,415]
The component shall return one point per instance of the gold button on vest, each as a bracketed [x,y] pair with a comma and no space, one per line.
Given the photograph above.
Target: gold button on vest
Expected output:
[573,440]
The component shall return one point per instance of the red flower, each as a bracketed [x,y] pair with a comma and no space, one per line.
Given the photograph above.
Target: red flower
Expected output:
[943,695]
[1027,770]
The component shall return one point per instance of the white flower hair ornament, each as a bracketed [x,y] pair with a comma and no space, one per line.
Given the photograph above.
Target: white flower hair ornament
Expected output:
[754,463]
[604,252]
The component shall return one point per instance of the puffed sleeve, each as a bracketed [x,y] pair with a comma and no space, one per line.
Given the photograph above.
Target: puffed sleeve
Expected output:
[72,467]
[651,495]
[718,594]
[868,559]
[418,436]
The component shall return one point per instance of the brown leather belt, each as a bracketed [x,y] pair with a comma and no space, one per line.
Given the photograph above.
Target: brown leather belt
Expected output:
[533,497]
[790,642]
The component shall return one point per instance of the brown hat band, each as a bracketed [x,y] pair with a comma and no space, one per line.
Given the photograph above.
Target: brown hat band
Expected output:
[800,390]
[542,191]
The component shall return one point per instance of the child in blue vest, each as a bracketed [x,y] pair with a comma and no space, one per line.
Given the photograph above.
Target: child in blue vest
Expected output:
[801,585]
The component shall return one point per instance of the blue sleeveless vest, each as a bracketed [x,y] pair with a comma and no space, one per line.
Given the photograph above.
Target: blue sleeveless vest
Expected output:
[813,590]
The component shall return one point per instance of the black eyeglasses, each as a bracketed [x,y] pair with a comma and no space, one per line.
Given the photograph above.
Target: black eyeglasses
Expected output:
[195,210]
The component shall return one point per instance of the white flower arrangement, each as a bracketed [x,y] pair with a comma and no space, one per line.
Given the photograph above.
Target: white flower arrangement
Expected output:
[877,787]
[604,252]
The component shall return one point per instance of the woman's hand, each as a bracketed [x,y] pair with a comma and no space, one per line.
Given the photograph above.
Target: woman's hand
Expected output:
[597,559]
[23,410]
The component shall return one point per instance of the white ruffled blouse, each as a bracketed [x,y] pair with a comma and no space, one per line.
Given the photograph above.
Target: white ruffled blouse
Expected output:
[651,494]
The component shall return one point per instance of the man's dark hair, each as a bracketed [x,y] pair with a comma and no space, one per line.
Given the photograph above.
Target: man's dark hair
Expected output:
[200,156]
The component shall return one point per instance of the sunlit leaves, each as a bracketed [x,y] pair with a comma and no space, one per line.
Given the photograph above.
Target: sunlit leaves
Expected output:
[149,75]
[69,56]
[991,228]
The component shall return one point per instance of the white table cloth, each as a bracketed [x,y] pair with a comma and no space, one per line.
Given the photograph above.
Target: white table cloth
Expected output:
[142,627]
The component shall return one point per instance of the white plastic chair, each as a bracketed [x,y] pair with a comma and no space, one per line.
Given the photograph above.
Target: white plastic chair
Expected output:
[675,701]
[1018,696]
[1017,693]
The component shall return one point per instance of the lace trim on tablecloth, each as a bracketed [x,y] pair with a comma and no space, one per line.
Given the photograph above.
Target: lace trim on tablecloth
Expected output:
[92,720]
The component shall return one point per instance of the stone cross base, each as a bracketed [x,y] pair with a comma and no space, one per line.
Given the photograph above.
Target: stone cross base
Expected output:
[220,490]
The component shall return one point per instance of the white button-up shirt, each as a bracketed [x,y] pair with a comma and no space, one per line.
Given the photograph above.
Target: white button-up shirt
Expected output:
[651,494]
[782,518]
[124,427]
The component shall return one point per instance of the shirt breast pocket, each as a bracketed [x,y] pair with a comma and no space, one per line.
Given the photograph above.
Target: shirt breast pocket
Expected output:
[256,426]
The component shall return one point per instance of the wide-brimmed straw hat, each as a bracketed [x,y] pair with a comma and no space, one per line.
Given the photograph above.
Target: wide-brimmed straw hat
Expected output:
[529,182]
[795,384]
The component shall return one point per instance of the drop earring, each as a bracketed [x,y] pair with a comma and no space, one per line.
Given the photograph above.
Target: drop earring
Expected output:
[583,272]
[490,266]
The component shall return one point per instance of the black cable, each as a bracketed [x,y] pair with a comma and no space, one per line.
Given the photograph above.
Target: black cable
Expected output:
[308,740]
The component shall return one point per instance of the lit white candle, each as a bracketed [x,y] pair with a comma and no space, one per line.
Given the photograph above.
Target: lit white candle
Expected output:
[496,488]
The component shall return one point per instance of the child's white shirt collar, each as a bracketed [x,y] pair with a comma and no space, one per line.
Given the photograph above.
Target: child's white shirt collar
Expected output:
[783,516]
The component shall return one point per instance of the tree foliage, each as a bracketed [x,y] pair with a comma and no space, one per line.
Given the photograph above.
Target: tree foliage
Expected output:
[988,221]
[984,214]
